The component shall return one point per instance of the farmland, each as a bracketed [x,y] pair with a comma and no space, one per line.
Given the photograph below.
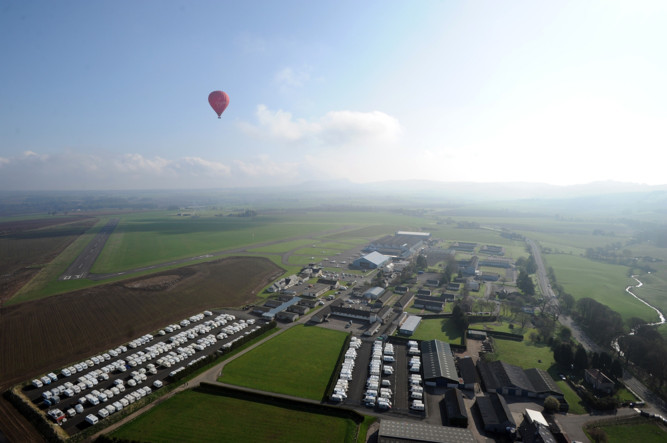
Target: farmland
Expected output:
[195,416]
[29,245]
[45,334]
[298,362]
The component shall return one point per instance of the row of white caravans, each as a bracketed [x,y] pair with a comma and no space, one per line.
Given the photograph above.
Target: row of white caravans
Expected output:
[414,377]
[340,390]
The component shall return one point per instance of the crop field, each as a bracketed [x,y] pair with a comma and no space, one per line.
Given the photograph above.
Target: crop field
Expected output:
[298,362]
[600,281]
[438,328]
[28,246]
[46,334]
[199,417]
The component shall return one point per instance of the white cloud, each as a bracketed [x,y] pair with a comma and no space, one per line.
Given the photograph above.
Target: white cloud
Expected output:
[75,170]
[335,129]
[289,78]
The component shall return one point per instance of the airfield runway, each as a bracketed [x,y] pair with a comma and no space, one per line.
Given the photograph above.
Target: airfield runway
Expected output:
[81,266]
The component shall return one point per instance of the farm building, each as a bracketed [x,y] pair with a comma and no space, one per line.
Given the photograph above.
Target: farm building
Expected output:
[433,283]
[492,250]
[409,325]
[299,309]
[373,293]
[287,316]
[495,413]
[454,286]
[507,379]
[405,300]
[401,246]
[401,289]
[424,292]
[469,267]
[454,409]
[469,378]
[393,431]
[374,260]
[489,276]
[496,263]
[464,246]
[429,305]
[384,298]
[341,309]
[438,364]
[316,291]
[535,428]
[269,315]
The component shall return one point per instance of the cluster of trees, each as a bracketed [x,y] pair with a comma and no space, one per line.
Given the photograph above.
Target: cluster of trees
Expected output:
[602,324]
[524,282]
[647,348]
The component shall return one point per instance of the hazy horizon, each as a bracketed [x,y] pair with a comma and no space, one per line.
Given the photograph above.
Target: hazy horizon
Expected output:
[113,95]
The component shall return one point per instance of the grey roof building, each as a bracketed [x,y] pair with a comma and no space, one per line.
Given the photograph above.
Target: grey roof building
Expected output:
[373,260]
[508,379]
[438,364]
[393,431]
[495,413]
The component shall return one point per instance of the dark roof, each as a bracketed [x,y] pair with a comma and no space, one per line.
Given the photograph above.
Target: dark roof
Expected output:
[542,381]
[467,370]
[438,361]
[498,375]
[494,410]
[404,300]
[401,431]
[454,404]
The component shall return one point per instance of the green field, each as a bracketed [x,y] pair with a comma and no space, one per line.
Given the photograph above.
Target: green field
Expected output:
[199,417]
[602,282]
[644,432]
[298,362]
[442,329]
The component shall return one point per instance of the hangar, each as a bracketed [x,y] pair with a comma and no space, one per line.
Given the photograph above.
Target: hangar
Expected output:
[393,431]
[374,260]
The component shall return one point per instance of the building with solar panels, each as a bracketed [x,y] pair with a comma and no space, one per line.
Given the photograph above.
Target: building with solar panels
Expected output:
[438,364]
[394,431]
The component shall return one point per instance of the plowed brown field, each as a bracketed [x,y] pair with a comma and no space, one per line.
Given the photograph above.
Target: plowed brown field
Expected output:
[41,336]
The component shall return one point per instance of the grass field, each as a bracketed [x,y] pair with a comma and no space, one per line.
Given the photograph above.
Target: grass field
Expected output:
[199,417]
[298,362]
[644,432]
[602,282]
[439,329]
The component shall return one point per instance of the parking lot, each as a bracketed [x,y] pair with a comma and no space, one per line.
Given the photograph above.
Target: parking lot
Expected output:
[138,364]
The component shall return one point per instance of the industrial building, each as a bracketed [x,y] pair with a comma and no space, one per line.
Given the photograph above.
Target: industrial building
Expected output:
[374,260]
[438,364]
[409,325]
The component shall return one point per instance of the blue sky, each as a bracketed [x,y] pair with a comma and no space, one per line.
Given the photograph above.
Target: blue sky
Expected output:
[113,94]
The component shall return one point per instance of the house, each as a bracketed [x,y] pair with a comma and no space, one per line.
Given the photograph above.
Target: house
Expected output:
[599,380]
[496,415]
[454,409]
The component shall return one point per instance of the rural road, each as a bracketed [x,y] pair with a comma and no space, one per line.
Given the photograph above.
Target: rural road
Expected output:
[652,401]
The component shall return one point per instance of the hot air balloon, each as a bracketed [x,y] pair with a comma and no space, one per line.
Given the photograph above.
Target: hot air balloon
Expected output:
[218,101]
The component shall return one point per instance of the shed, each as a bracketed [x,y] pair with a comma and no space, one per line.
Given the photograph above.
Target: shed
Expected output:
[409,325]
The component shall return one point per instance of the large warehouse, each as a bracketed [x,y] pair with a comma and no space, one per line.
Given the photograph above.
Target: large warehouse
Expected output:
[409,325]
[438,364]
[373,260]
[403,244]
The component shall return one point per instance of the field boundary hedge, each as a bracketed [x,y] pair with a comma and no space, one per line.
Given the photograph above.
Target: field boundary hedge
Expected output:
[280,401]
[50,431]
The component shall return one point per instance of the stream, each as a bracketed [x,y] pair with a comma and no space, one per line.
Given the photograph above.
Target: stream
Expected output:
[661,316]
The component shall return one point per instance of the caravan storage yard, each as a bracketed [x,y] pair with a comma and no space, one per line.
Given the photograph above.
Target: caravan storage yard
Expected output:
[106,383]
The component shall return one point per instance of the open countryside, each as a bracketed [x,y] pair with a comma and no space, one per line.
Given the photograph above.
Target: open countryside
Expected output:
[302,361]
